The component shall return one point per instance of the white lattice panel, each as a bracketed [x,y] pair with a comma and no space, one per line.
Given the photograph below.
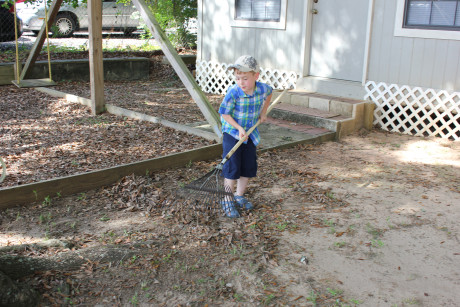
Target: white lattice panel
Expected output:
[415,111]
[214,78]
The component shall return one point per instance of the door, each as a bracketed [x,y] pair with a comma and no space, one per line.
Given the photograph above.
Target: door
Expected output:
[338,39]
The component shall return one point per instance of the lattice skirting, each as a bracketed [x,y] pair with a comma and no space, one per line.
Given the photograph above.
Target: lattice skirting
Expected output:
[214,78]
[415,111]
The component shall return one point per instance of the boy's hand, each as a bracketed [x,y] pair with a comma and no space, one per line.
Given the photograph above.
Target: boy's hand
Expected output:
[242,134]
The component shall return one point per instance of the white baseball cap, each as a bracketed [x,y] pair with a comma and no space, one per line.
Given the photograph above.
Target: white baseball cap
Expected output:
[246,63]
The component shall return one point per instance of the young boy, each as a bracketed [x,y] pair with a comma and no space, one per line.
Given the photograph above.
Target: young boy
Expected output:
[245,103]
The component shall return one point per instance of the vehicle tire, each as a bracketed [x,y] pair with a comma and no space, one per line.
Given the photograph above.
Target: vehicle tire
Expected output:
[64,26]
[35,32]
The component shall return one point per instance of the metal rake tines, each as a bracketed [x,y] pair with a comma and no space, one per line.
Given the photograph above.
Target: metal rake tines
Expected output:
[209,189]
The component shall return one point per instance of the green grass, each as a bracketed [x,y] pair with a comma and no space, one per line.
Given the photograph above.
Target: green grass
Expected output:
[375,232]
[10,55]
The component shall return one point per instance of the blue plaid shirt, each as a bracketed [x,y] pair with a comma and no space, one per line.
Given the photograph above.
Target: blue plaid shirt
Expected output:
[244,109]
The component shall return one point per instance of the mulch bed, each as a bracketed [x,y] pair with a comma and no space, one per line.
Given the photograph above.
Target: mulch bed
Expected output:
[42,137]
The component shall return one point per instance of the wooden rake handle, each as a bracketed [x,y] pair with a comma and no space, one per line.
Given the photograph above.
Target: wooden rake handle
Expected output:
[237,145]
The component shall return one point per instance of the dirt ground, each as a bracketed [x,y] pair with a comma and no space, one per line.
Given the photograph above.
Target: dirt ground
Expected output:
[371,220]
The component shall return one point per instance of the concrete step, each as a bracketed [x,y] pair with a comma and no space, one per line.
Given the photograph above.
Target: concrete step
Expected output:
[338,114]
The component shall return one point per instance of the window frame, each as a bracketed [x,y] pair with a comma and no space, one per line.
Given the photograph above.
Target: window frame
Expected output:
[420,32]
[279,25]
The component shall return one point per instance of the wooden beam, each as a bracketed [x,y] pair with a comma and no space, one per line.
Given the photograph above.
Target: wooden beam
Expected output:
[29,193]
[158,120]
[96,70]
[184,74]
[38,45]
[132,114]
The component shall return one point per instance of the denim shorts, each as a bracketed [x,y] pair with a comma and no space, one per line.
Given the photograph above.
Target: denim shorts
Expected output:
[243,163]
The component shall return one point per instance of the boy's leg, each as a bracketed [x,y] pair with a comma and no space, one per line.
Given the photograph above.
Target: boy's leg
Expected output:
[242,183]
[230,170]
[228,205]
[230,184]
[242,202]
[248,170]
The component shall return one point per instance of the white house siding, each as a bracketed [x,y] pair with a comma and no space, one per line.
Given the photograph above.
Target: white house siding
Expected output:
[413,81]
[275,49]
[422,62]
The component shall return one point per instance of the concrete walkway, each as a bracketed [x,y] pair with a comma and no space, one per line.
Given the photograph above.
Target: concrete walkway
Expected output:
[277,133]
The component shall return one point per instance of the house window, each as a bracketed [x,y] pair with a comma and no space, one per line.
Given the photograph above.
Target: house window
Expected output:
[258,10]
[437,15]
[262,14]
[428,19]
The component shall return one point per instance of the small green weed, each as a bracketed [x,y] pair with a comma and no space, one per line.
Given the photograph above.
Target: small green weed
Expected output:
[356,302]
[391,226]
[375,232]
[168,257]
[47,201]
[144,285]
[104,218]
[334,292]
[238,250]
[312,297]
[330,224]
[134,300]
[238,297]
[268,300]
[411,301]
[133,259]
[282,226]
[330,195]
[45,219]
[377,243]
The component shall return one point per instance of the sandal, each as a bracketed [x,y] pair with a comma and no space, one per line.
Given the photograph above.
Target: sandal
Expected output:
[230,209]
[243,203]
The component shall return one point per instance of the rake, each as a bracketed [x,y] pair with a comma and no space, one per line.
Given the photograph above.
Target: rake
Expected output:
[210,189]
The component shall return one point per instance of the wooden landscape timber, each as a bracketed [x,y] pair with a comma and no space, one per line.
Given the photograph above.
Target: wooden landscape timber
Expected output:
[32,192]
[132,114]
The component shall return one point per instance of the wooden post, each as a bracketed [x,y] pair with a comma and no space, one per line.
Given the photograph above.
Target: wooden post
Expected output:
[38,45]
[96,70]
[184,74]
